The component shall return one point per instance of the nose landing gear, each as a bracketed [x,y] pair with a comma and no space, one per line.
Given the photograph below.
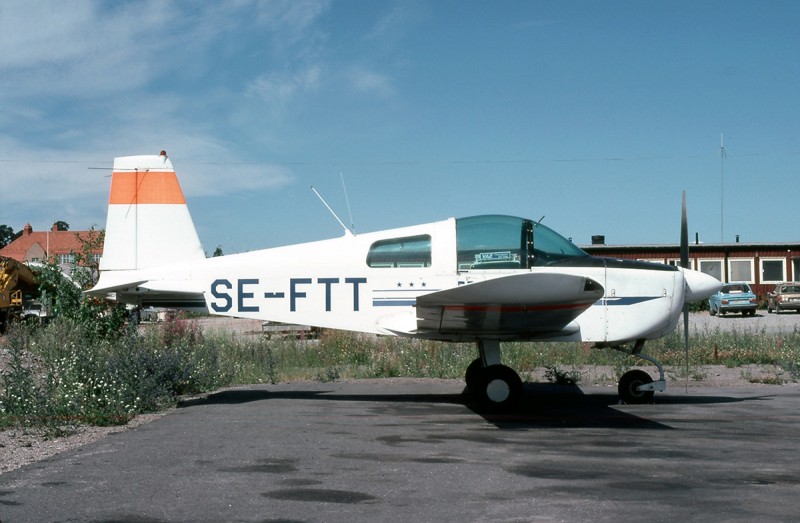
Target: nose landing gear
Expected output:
[636,386]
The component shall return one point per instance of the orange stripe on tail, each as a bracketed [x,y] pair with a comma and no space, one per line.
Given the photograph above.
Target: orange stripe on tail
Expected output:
[145,187]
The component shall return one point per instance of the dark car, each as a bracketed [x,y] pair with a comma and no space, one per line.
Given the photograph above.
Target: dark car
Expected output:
[733,297]
[785,296]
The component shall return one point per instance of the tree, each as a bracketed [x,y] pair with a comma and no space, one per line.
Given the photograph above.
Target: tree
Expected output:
[6,235]
[64,296]
[217,252]
[62,225]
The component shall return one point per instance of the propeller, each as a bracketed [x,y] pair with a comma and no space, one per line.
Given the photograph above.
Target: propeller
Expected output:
[685,265]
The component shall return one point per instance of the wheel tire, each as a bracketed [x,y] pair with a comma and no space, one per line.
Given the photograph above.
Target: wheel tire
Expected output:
[500,387]
[628,384]
[473,375]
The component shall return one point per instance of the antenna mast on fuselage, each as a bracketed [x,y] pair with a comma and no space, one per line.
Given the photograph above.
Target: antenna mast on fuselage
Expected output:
[346,230]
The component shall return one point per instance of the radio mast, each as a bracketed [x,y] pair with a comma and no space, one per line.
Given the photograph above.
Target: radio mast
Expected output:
[722,156]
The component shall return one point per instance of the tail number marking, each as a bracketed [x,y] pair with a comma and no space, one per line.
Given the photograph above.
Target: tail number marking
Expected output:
[248,297]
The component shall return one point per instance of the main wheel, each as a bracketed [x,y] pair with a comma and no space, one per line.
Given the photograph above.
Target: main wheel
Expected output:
[500,386]
[473,375]
[629,384]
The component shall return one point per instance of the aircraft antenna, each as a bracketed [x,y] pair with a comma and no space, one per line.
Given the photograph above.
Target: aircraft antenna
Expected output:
[346,230]
[722,155]
[347,201]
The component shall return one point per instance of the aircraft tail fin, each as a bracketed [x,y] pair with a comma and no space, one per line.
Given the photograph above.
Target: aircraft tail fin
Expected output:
[148,222]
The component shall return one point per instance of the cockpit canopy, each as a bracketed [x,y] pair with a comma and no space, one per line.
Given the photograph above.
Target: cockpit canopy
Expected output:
[507,242]
[483,243]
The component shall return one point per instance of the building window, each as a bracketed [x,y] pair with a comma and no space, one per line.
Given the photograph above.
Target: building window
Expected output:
[712,268]
[741,270]
[773,270]
[64,259]
[413,251]
[676,262]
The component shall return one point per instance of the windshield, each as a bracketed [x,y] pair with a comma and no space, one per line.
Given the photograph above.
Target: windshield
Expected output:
[508,242]
[736,289]
[549,246]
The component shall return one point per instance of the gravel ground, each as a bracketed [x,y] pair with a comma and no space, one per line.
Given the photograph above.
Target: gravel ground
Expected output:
[18,447]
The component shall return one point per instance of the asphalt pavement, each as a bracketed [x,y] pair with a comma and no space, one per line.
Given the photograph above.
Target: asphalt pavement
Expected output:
[419,450]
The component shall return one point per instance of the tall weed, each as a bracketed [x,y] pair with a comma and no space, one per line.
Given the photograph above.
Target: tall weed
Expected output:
[64,374]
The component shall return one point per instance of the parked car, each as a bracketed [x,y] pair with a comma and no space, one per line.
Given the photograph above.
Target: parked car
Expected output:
[733,297]
[148,314]
[33,312]
[785,296]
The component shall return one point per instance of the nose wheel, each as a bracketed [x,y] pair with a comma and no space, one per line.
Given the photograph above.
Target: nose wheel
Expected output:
[631,387]
[636,386]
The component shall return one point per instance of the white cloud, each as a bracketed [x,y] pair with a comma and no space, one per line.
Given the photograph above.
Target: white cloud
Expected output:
[73,185]
[370,82]
[277,89]
[214,179]
[76,49]
[294,15]
[393,25]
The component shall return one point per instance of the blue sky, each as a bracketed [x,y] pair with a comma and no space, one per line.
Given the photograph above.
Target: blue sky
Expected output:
[595,115]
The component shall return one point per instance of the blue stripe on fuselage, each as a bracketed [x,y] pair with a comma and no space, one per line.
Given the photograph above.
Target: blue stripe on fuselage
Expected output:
[629,300]
[383,302]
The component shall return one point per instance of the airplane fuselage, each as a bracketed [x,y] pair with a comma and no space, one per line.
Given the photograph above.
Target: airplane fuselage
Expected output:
[342,283]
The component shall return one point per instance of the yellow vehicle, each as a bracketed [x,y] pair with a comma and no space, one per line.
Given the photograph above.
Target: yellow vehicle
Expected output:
[16,282]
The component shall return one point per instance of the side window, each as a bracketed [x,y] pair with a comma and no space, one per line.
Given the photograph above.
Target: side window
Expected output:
[413,251]
[490,242]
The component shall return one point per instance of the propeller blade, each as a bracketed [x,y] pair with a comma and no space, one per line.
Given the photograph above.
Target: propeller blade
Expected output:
[684,236]
[685,265]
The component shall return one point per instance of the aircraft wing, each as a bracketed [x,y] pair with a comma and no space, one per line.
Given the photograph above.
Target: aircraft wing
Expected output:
[520,305]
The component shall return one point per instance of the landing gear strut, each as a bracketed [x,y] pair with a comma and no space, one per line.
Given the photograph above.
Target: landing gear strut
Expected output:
[493,383]
[636,386]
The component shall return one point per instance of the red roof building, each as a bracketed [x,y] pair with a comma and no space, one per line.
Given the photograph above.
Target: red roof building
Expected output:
[55,245]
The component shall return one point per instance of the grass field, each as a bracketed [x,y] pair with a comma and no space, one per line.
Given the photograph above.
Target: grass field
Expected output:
[53,379]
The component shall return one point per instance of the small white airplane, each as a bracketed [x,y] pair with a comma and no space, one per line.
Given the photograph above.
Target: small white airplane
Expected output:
[484,279]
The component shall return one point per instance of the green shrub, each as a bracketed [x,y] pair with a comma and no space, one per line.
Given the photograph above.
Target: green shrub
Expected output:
[65,373]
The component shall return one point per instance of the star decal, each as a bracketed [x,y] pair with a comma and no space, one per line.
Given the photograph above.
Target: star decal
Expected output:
[411,284]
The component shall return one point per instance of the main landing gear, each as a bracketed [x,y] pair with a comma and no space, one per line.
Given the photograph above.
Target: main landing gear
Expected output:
[500,387]
[636,386]
[495,384]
